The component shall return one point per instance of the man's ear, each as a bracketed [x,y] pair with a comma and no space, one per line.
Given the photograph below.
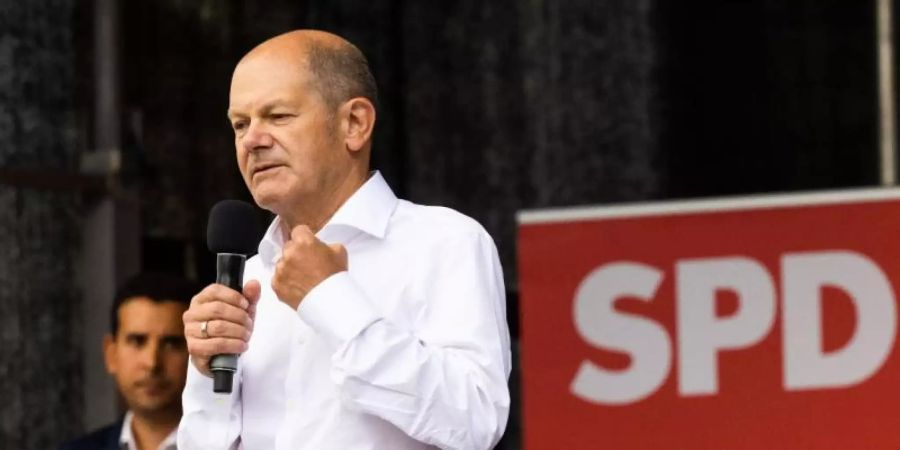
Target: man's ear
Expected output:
[359,114]
[109,353]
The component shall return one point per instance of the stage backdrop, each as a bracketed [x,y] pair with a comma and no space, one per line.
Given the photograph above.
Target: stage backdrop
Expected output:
[747,323]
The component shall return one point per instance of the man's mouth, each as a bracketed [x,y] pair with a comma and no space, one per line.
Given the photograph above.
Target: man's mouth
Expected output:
[263,168]
[152,385]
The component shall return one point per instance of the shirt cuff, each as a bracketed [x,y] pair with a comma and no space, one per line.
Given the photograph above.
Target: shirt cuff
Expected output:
[199,401]
[199,388]
[198,394]
[337,309]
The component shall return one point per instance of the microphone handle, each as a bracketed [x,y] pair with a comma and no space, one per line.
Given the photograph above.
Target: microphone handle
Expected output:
[229,272]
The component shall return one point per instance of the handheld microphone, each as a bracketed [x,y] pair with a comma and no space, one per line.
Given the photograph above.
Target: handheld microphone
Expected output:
[231,234]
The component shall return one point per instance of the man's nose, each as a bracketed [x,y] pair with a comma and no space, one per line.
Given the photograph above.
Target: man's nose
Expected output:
[151,357]
[257,137]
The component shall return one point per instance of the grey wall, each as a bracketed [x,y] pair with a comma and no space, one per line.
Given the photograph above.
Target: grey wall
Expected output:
[40,370]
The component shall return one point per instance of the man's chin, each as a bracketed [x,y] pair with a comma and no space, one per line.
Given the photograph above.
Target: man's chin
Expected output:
[154,405]
[152,400]
[267,199]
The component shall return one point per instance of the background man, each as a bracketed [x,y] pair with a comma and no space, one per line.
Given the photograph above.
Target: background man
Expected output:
[145,353]
[376,323]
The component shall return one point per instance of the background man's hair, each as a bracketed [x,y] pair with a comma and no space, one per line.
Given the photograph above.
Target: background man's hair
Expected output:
[158,287]
[341,73]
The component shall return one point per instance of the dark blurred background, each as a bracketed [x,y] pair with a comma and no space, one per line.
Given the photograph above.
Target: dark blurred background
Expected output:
[115,142]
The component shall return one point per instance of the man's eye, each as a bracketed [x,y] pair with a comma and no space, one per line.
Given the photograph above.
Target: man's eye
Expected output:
[238,126]
[280,117]
[137,341]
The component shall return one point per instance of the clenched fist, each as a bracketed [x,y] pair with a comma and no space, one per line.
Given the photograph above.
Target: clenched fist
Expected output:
[219,320]
[305,262]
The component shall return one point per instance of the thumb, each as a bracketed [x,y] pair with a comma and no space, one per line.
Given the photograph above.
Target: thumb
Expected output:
[252,290]
[340,252]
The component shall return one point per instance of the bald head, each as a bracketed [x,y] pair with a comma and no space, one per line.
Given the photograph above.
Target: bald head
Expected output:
[338,70]
[302,109]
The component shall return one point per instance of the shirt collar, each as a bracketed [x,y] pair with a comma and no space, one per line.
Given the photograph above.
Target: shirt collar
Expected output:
[126,438]
[369,210]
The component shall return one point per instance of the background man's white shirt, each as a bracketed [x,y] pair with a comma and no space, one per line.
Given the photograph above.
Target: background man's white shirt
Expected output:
[126,437]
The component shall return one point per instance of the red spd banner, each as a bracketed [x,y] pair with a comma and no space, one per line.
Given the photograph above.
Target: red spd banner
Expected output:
[757,323]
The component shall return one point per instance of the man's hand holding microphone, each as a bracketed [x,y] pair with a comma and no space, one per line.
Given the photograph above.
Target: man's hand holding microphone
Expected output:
[219,323]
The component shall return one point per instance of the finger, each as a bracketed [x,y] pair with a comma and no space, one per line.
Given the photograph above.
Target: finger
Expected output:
[219,292]
[252,290]
[222,311]
[214,310]
[205,348]
[341,252]
[219,329]
[202,364]
[252,312]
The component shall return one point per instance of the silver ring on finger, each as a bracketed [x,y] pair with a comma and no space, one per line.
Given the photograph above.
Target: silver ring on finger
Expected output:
[204,329]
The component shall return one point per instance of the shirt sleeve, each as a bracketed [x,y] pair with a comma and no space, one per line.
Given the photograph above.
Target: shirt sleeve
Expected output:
[442,380]
[209,420]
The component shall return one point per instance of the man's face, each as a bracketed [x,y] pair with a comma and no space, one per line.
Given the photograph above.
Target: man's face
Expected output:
[286,136]
[148,357]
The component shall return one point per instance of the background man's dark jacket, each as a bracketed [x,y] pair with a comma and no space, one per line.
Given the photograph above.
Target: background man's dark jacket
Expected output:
[106,438]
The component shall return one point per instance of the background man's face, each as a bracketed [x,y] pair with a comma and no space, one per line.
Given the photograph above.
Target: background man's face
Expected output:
[285,134]
[148,357]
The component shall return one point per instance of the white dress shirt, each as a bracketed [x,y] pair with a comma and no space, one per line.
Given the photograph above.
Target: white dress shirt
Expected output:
[409,349]
[126,437]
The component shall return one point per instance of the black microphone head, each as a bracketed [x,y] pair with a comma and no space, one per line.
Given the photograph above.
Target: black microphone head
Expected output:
[232,228]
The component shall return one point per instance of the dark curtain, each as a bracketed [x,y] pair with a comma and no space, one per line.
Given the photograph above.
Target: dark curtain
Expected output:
[487,107]
[493,107]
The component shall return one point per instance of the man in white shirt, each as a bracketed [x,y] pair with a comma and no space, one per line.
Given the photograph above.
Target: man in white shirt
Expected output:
[365,322]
